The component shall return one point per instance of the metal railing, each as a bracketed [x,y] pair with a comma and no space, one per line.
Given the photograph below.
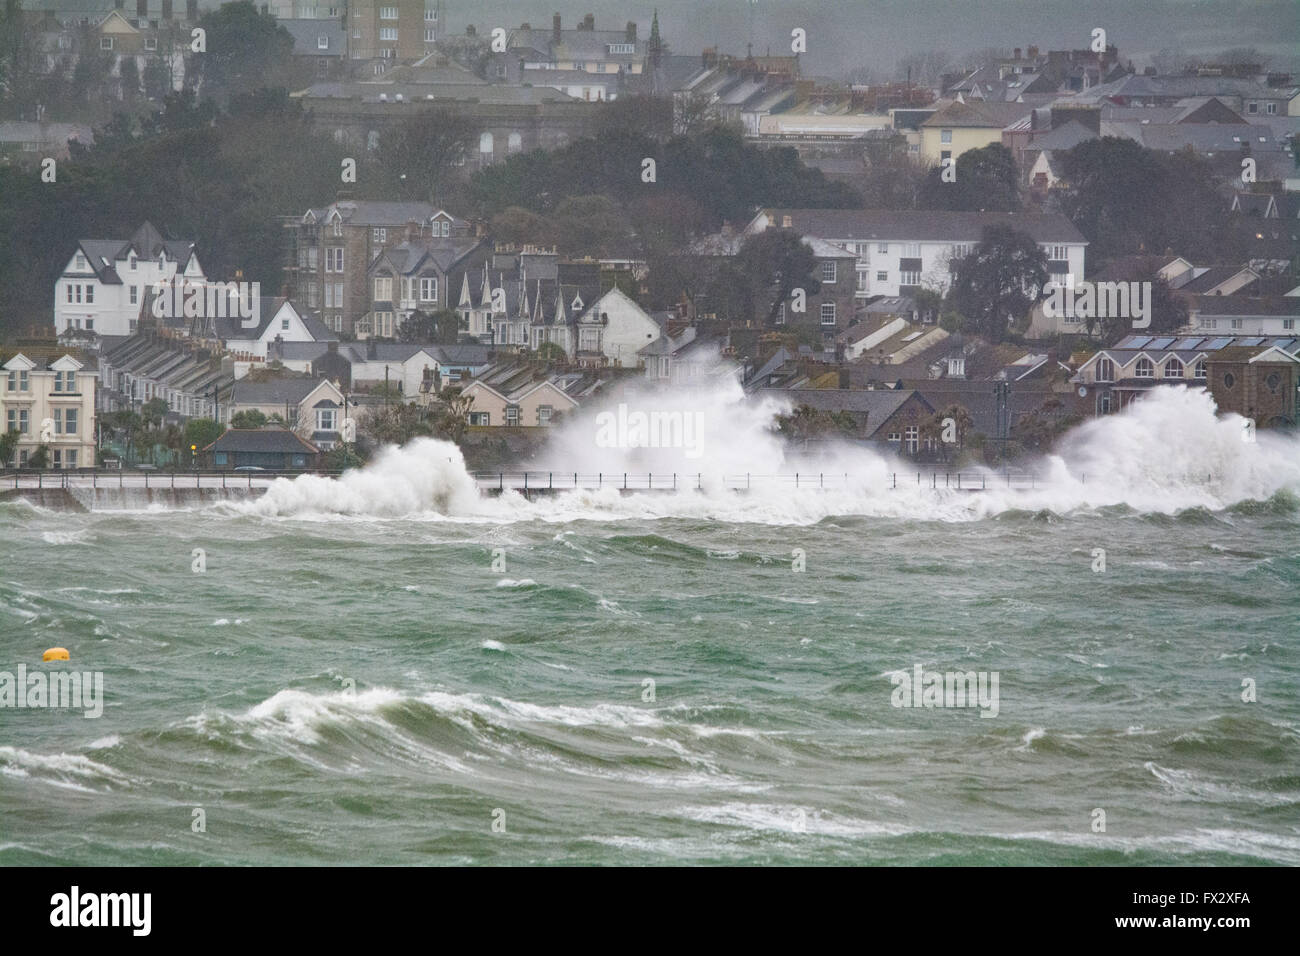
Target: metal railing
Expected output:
[537,481]
[27,478]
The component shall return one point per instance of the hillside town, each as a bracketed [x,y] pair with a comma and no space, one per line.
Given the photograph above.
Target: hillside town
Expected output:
[473,232]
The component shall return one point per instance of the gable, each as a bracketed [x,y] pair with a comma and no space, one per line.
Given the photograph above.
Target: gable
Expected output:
[20,363]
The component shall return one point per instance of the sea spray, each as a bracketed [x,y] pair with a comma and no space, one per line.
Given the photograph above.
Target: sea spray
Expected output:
[1166,453]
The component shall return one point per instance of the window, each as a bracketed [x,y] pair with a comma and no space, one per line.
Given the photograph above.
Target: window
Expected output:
[780,315]
[882,248]
[90,294]
[429,289]
[90,325]
[18,382]
[380,235]
[135,295]
[1288,324]
[325,419]
[322,42]
[1105,370]
[63,381]
[1198,370]
[383,289]
[430,15]
[1271,108]
[446,227]
[132,262]
[284,325]
[388,13]
[911,250]
[388,33]
[882,276]
[334,259]
[912,438]
[106,43]
[512,414]
[151,43]
[1205,323]
[895,436]
[65,421]
[1229,380]
[18,420]
[909,278]
[431,36]
[1252,107]
[828,271]
[544,413]
[1145,368]
[81,263]
[1236,323]
[828,313]
[961,250]
[1273,381]
[480,418]
[1174,368]
[945,136]
[864,279]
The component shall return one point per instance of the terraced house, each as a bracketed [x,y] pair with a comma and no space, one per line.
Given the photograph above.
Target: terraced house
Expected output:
[332,248]
[49,400]
[900,252]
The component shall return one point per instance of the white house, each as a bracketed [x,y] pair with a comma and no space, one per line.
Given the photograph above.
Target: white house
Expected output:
[104,283]
[277,318]
[617,327]
[900,252]
[50,403]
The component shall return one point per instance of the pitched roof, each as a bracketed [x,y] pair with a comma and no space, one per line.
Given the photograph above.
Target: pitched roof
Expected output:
[982,114]
[277,391]
[307,33]
[262,440]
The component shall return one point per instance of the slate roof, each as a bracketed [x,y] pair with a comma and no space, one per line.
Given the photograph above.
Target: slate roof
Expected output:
[262,440]
[980,114]
[148,243]
[279,391]
[307,33]
[877,404]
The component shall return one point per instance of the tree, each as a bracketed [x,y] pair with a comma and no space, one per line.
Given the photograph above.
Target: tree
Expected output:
[153,411]
[806,423]
[201,432]
[517,225]
[986,180]
[40,458]
[589,225]
[246,50]
[417,158]
[999,281]
[451,413]
[8,442]
[948,437]
[250,418]
[129,74]
[773,264]
[441,327]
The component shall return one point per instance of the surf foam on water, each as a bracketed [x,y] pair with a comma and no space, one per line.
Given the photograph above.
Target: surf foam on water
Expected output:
[1167,453]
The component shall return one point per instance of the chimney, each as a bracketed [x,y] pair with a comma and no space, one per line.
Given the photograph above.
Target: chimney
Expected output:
[1017,52]
[555,28]
[166,9]
[631,32]
[470,31]
[589,22]
[412,230]
[1033,53]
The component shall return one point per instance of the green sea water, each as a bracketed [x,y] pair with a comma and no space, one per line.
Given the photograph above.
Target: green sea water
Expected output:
[389,669]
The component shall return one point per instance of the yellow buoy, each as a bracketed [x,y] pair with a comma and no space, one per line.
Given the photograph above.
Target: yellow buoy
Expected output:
[56,654]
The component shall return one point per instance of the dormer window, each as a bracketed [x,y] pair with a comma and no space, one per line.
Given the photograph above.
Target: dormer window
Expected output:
[131,260]
[81,262]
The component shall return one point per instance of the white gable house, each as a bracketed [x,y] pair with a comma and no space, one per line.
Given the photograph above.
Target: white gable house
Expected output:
[105,282]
